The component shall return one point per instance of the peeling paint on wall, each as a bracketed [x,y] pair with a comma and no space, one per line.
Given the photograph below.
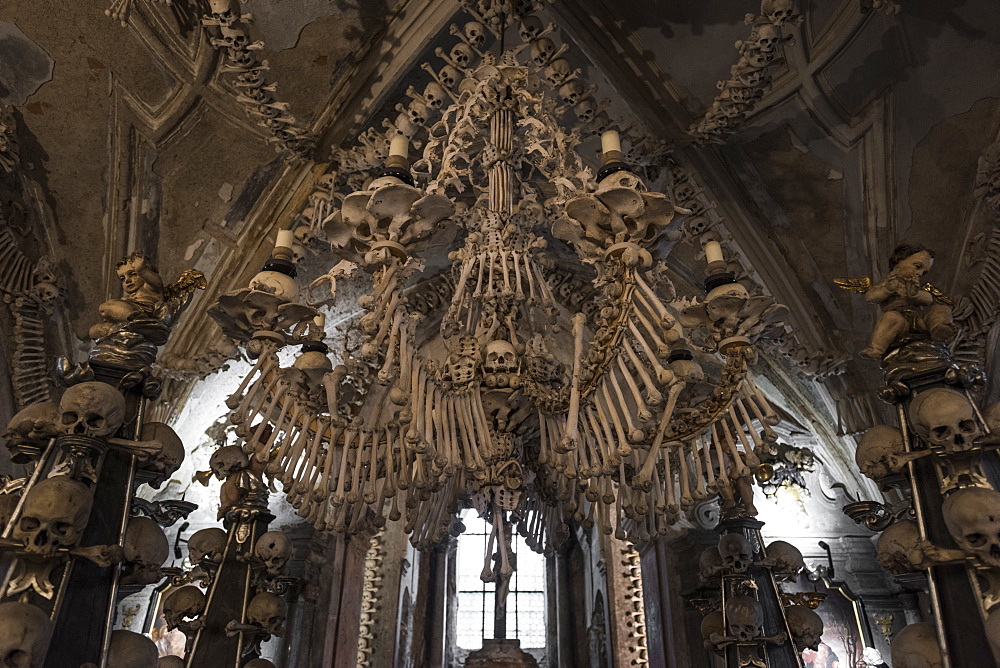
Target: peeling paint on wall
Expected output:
[24,66]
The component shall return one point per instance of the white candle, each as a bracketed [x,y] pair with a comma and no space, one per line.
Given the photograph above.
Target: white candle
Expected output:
[610,141]
[286,238]
[399,147]
[713,252]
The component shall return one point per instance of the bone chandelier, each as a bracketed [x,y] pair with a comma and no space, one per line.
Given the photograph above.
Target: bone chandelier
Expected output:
[500,398]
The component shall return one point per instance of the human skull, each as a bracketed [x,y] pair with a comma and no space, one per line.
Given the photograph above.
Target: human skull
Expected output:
[33,425]
[131,650]
[24,635]
[744,616]
[449,76]
[418,112]
[435,94]
[146,548]
[235,38]
[558,72]
[531,27]
[683,191]
[898,549]
[259,663]
[475,33]
[276,283]
[877,449]
[268,611]
[585,109]
[501,357]
[696,226]
[945,418]
[736,552]
[972,515]
[710,563]
[461,55]
[571,92]
[806,626]
[274,549]
[788,562]
[713,624]
[751,77]
[778,11]
[184,604]
[171,454]
[207,545]
[542,51]
[171,661]
[767,38]
[227,460]
[55,514]
[91,409]
[916,646]
[220,6]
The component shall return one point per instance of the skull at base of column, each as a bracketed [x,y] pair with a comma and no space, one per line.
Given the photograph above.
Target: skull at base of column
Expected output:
[898,549]
[744,616]
[945,418]
[207,545]
[916,646]
[91,409]
[274,549]
[55,514]
[184,604]
[131,650]
[146,549]
[972,515]
[788,561]
[710,563]
[227,460]
[736,552]
[876,450]
[24,635]
[712,624]
[268,612]
[806,626]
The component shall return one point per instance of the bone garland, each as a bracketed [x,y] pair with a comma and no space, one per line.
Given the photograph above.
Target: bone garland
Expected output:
[750,80]
[290,137]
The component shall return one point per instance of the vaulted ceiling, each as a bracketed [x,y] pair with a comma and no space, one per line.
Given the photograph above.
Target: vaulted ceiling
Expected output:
[869,135]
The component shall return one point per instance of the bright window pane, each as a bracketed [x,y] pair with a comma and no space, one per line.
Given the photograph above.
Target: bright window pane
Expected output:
[525,603]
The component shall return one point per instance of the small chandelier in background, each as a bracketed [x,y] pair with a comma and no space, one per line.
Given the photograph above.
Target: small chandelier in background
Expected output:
[785,466]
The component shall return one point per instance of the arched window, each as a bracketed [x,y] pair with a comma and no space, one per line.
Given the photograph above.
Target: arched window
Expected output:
[525,603]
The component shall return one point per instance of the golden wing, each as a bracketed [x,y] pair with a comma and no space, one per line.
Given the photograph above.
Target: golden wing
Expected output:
[860,285]
[939,297]
[189,281]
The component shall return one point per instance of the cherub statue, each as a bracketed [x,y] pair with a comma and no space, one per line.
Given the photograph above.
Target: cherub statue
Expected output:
[910,309]
[146,297]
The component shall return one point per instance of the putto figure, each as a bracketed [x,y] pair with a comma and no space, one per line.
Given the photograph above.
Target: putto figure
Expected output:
[133,326]
[911,309]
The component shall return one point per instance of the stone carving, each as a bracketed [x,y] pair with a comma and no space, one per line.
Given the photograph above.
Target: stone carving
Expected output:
[911,310]
[916,646]
[24,635]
